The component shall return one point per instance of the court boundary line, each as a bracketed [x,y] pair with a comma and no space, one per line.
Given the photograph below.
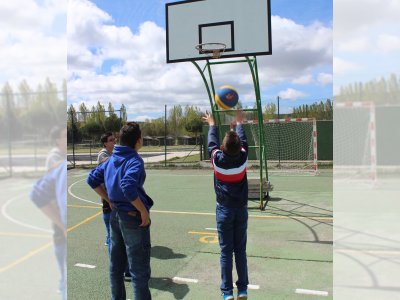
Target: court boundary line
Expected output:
[213,214]
[45,246]
[15,221]
[209,214]
[21,234]
[77,197]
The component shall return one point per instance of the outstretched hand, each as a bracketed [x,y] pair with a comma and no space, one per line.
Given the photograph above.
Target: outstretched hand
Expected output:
[239,117]
[209,119]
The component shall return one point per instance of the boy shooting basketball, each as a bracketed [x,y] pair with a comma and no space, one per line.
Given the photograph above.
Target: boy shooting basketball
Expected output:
[230,183]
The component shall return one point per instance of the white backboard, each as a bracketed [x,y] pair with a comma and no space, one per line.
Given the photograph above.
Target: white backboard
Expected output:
[244,26]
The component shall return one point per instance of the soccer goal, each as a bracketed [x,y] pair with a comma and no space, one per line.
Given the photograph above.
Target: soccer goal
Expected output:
[354,149]
[291,145]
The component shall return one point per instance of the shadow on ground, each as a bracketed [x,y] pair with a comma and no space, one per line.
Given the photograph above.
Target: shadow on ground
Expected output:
[179,290]
[162,252]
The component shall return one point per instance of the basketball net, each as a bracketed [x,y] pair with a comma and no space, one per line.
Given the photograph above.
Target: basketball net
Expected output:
[213,49]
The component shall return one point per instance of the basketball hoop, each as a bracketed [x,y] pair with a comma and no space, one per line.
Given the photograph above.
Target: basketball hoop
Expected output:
[215,49]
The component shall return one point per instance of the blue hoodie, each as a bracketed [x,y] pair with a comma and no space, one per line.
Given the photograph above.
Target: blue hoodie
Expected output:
[123,175]
[52,187]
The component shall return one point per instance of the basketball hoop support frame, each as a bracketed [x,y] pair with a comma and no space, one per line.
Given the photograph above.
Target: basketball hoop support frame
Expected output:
[209,84]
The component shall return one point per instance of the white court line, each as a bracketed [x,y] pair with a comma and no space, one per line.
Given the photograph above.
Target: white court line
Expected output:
[181,279]
[84,266]
[15,221]
[192,280]
[201,213]
[311,292]
[215,229]
[79,198]
[250,286]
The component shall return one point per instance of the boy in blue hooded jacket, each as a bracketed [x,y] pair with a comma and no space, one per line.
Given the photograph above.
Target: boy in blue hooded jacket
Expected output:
[123,175]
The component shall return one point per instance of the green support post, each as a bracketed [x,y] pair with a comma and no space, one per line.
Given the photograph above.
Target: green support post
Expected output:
[252,62]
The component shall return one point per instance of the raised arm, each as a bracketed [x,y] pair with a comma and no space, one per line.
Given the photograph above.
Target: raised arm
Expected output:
[240,130]
[213,138]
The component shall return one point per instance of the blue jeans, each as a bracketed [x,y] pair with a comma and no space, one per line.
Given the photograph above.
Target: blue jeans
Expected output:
[129,243]
[232,237]
[60,250]
[106,219]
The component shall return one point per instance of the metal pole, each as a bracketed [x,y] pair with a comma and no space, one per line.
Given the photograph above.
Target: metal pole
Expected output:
[165,136]
[35,152]
[9,136]
[90,151]
[279,137]
[73,137]
[201,146]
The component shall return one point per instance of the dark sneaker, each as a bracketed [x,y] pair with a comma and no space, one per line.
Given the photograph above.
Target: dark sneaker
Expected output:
[227,297]
[242,295]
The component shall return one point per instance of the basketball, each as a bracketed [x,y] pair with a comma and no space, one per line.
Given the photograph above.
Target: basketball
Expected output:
[226,97]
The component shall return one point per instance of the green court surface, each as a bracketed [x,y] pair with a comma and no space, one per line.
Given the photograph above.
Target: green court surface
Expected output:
[28,268]
[289,244]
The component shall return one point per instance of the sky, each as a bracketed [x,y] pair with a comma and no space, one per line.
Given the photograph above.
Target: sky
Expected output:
[115,51]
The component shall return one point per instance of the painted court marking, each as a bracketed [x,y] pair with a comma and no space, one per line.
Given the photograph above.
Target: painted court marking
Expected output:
[20,223]
[26,257]
[250,216]
[181,279]
[77,197]
[203,213]
[250,286]
[193,280]
[84,266]
[311,292]
[44,247]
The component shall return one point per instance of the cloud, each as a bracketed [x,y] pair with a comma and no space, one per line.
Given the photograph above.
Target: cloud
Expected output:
[145,83]
[142,118]
[325,78]
[388,43]
[305,79]
[355,18]
[342,66]
[356,44]
[366,40]
[32,47]
[291,94]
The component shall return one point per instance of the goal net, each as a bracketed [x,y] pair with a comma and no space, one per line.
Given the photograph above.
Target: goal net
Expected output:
[354,150]
[291,145]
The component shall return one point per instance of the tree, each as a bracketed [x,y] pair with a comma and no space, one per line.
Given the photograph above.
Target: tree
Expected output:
[83,112]
[73,133]
[10,126]
[270,111]
[111,111]
[175,119]
[124,116]
[112,123]
[92,130]
[100,114]
[26,94]
[193,120]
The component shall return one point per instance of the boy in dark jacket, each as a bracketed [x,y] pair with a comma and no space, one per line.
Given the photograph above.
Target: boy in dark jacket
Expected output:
[230,182]
[123,175]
